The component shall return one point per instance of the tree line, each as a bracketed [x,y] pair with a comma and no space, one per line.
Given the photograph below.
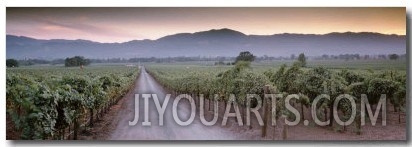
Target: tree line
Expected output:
[307,83]
[219,60]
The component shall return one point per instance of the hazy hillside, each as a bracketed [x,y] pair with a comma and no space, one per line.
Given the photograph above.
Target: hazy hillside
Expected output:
[223,42]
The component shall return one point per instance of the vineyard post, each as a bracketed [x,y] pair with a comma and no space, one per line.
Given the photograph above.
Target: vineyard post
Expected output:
[91,118]
[331,114]
[243,112]
[197,99]
[198,102]
[399,116]
[358,120]
[209,101]
[274,132]
[358,125]
[108,107]
[265,111]
[301,110]
[69,131]
[76,129]
[325,114]
[191,100]
[225,100]
[394,101]
[285,129]
[101,112]
[98,114]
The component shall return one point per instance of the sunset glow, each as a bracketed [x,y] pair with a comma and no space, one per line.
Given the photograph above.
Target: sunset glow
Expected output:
[125,24]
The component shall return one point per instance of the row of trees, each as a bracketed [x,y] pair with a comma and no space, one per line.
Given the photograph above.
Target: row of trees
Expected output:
[317,81]
[68,62]
[249,57]
[76,61]
[307,83]
[12,63]
[42,105]
[359,57]
[220,60]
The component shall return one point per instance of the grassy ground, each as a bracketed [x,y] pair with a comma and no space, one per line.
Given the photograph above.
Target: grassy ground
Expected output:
[358,65]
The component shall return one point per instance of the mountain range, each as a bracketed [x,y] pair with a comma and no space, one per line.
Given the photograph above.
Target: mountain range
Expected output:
[216,42]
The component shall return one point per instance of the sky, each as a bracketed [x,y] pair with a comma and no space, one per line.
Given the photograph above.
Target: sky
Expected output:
[124,24]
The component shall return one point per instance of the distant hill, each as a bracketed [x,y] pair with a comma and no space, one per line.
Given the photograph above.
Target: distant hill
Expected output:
[221,42]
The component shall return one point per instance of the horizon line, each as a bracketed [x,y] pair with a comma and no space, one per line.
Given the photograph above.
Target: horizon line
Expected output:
[392,34]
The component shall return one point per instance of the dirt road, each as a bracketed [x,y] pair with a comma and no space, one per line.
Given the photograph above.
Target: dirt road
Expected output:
[170,130]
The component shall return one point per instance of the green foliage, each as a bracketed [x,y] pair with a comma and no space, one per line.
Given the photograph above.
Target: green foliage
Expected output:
[308,83]
[32,107]
[378,86]
[315,80]
[292,80]
[393,56]
[76,61]
[239,80]
[399,99]
[351,76]
[302,59]
[42,103]
[12,63]
[322,80]
[245,56]
[276,77]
